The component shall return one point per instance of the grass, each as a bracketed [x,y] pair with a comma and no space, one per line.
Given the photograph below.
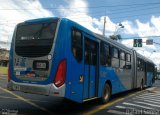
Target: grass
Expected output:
[3,70]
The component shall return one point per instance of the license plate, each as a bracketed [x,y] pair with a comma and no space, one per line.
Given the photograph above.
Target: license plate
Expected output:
[40,65]
[16,87]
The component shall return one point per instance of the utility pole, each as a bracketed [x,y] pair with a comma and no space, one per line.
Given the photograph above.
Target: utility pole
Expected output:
[104,27]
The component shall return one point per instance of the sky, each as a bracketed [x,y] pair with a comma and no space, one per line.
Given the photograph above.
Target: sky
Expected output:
[140,18]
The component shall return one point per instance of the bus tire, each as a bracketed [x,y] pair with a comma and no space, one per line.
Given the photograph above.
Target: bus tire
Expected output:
[106,93]
[141,86]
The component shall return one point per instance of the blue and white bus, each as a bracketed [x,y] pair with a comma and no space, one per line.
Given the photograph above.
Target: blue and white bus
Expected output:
[58,57]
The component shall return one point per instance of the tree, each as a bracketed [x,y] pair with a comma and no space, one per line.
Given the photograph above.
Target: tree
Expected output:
[115,37]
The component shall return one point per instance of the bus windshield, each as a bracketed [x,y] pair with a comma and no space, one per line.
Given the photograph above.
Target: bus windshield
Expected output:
[35,40]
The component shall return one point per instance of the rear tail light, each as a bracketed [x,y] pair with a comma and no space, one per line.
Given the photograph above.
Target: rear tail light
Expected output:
[9,75]
[60,74]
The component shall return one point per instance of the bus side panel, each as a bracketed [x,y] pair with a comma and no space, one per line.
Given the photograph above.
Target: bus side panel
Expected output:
[11,61]
[108,73]
[134,69]
[74,88]
[140,77]
[60,52]
[65,33]
[11,57]
[125,77]
[149,78]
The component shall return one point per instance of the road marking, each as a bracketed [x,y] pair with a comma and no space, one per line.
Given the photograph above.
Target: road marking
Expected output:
[27,101]
[148,98]
[147,104]
[103,107]
[123,107]
[145,107]
[116,112]
[7,97]
[152,96]
[148,94]
[110,103]
[120,107]
[150,89]
[157,102]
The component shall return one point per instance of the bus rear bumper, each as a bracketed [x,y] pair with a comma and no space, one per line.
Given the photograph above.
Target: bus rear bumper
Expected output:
[49,89]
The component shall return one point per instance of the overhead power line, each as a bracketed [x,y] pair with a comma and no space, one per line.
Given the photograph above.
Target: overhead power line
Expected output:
[120,17]
[112,13]
[140,37]
[133,10]
[131,16]
[131,7]
[104,6]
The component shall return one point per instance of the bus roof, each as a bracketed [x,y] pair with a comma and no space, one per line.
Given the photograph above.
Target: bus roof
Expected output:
[40,20]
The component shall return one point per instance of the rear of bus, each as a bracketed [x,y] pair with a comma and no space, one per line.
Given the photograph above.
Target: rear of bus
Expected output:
[35,64]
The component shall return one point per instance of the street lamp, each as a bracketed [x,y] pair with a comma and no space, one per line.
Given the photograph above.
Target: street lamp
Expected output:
[118,27]
[115,36]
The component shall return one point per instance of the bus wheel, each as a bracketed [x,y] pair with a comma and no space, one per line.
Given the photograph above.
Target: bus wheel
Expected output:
[106,93]
[141,86]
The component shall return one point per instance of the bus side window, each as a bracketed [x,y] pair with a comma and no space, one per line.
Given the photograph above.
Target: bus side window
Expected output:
[115,57]
[105,55]
[122,60]
[76,44]
[90,52]
[138,64]
[142,65]
[128,61]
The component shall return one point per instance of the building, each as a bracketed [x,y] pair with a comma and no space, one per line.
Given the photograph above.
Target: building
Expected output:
[4,57]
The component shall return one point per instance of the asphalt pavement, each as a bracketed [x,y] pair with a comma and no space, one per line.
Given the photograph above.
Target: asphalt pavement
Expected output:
[130,102]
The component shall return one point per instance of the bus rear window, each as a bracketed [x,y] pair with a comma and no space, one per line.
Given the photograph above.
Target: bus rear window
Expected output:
[35,40]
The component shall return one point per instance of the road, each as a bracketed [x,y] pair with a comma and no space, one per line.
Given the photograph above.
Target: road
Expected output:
[131,102]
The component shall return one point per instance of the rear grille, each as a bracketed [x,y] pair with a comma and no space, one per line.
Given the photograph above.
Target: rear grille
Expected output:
[32,51]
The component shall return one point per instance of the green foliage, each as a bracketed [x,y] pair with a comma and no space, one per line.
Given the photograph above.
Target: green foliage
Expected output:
[115,37]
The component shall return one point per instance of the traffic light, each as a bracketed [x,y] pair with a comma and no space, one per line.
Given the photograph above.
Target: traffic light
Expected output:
[137,43]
